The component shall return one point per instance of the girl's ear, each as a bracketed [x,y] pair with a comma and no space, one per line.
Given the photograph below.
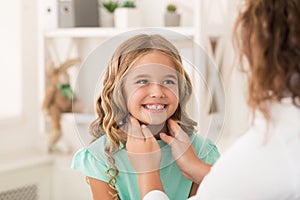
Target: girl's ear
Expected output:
[123,124]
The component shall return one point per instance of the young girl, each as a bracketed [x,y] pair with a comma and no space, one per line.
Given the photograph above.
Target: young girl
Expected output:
[144,84]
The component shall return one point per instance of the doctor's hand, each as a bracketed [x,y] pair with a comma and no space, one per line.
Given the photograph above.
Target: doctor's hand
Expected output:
[142,148]
[144,154]
[184,154]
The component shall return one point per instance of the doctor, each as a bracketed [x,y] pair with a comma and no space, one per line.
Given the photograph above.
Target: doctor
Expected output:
[265,162]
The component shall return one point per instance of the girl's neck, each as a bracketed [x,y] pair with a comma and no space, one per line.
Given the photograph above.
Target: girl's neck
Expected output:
[157,129]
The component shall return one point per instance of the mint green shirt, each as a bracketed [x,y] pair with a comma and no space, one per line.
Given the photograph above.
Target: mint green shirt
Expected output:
[92,162]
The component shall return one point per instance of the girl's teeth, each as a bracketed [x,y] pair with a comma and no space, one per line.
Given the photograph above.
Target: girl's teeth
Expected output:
[155,107]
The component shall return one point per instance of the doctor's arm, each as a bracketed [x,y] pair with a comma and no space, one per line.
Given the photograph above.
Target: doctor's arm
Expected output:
[145,156]
[184,154]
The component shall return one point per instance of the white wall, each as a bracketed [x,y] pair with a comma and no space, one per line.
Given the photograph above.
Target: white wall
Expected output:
[153,11]
[21,134]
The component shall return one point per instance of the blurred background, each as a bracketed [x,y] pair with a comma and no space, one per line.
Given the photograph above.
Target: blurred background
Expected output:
[39,37]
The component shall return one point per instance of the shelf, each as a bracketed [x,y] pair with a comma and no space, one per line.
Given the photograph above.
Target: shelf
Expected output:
[108,32]
[79,118]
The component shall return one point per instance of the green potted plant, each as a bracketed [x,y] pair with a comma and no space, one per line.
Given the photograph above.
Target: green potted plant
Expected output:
[107,9]
[129,4]
[110,5]
[128,15]
[171,8]
[171,17]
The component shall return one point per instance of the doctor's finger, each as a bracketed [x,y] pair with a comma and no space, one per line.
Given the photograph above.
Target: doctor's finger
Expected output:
[176,131]
[146,132]
[134,129]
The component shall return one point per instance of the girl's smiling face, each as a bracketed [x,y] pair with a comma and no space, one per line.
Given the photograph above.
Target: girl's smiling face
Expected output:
[151,89]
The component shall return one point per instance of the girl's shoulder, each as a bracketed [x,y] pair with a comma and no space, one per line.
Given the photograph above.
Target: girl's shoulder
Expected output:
[198,139]
[205,148]
[102,141]
[91,160]
[92,152]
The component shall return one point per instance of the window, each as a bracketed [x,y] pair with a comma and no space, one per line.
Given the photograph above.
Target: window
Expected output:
[11,60]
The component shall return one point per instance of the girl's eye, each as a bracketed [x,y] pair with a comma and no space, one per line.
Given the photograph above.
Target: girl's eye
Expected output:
[143,82]
[169,82]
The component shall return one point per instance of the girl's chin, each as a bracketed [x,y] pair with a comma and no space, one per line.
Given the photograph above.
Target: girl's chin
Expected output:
[155,123]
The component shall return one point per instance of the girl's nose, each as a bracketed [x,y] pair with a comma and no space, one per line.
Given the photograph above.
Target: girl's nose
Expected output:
[156,90]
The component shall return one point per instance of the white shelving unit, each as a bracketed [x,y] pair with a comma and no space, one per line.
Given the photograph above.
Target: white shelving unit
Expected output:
[106,32]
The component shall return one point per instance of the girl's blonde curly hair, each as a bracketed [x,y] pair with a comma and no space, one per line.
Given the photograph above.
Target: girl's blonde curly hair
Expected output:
[111,104]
